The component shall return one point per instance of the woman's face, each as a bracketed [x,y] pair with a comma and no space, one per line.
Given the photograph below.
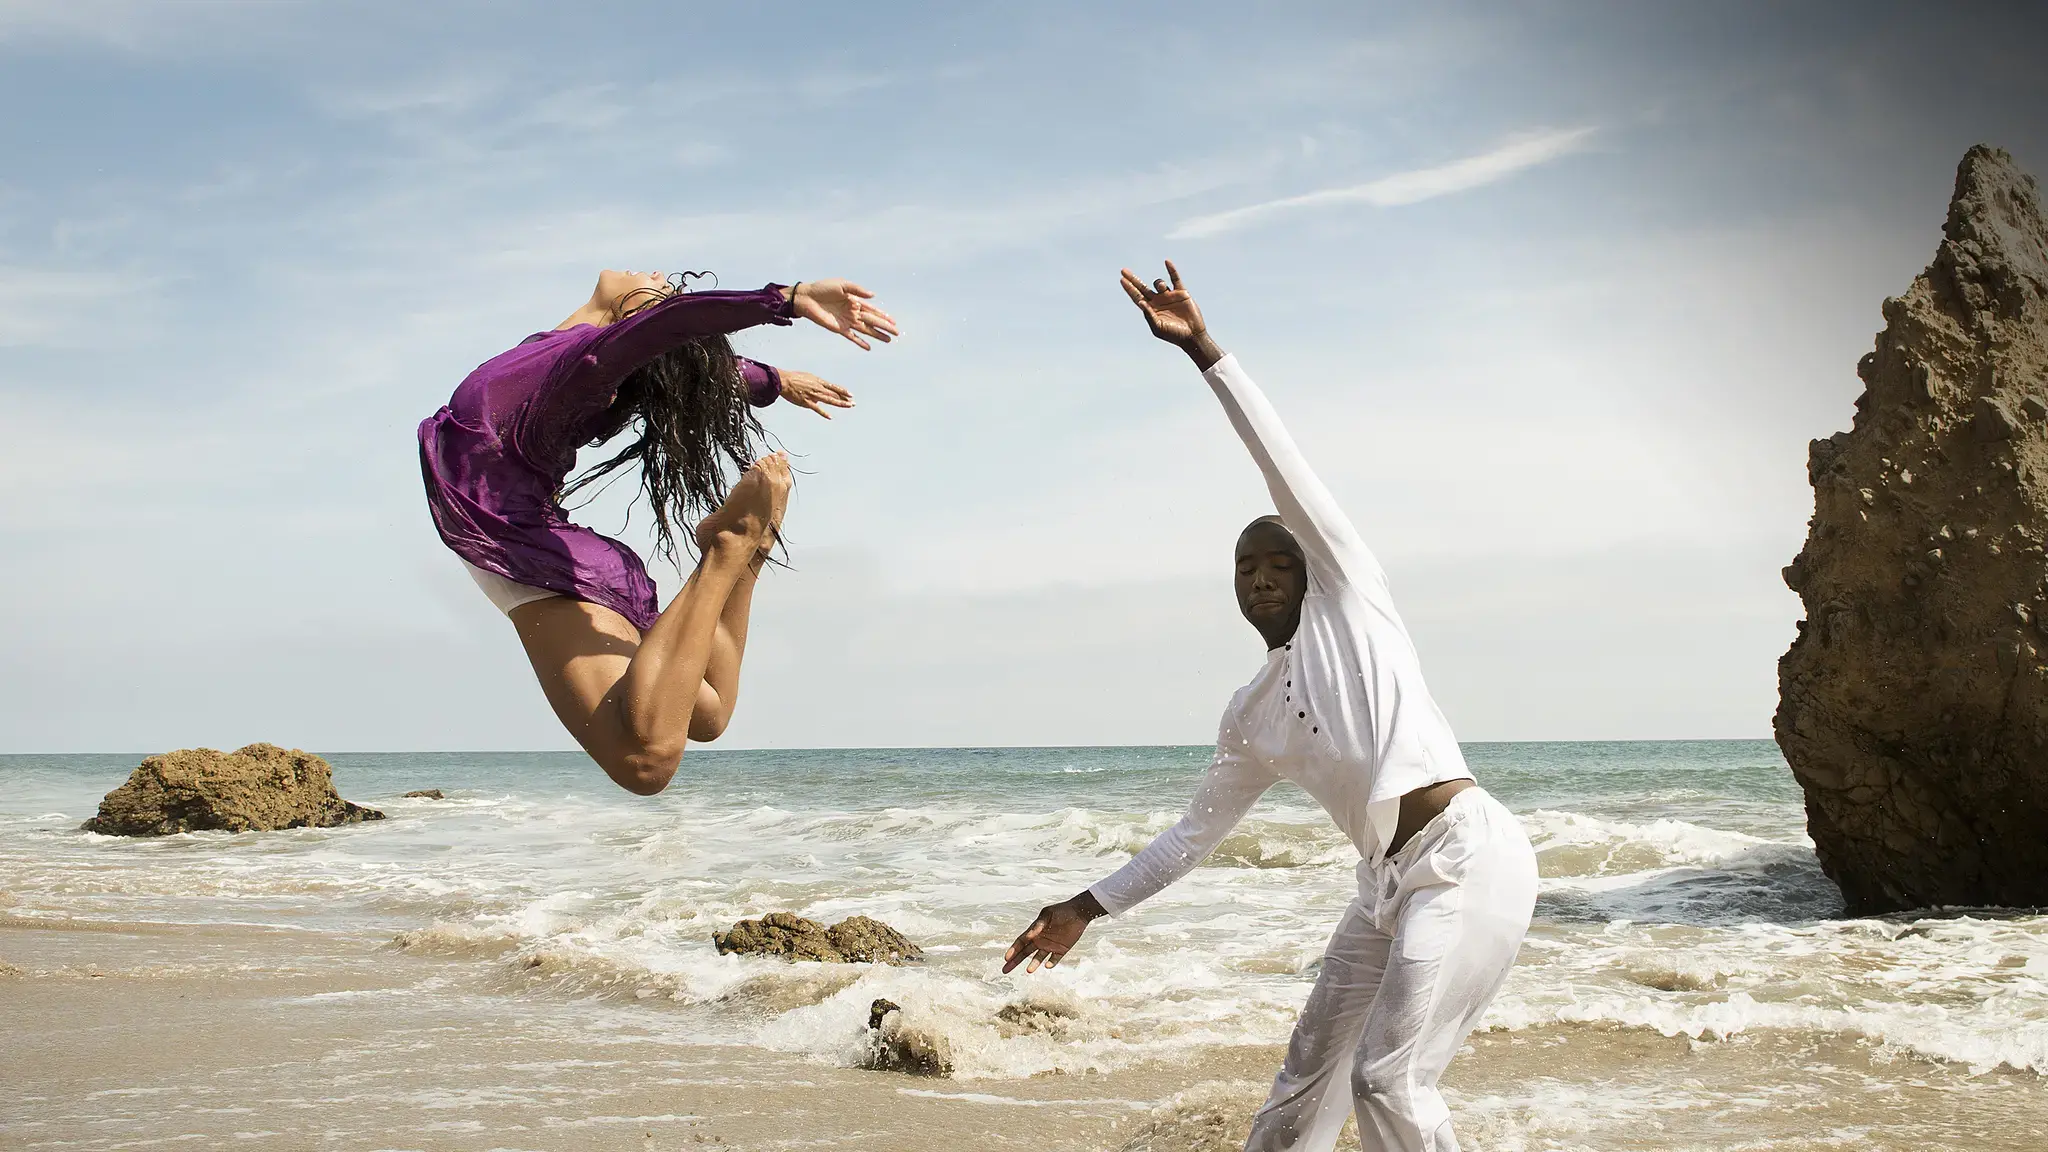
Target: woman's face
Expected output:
[622,292]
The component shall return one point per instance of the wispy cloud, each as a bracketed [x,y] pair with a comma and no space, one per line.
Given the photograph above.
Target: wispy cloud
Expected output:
[56,307]
[142,26]
[1518,153]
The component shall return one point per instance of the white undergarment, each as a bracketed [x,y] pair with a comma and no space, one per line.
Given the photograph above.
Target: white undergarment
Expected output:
[506,594]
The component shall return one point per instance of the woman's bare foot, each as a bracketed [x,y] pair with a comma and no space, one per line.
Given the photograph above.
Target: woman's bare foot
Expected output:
[752,512]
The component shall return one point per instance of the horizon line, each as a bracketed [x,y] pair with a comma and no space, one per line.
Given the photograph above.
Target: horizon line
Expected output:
[884,747]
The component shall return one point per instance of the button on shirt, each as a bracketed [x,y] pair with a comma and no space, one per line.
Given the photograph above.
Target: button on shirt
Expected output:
[1340,710]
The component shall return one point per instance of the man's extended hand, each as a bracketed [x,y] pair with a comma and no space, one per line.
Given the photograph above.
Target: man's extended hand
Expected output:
[1172,315]
[1057,929]
[808,391]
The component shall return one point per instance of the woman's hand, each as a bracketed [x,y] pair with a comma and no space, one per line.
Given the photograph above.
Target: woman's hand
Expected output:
[1172,315]
[808,391]
[842,306]
[1057,929]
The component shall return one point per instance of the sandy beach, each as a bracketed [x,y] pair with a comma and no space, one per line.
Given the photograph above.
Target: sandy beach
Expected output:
[129,1036]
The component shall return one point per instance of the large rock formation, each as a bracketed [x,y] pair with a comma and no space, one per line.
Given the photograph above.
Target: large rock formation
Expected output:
[854,940]
[1913,707]
[260,788]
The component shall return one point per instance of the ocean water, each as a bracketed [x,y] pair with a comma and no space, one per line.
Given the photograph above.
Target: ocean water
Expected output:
[1680,897]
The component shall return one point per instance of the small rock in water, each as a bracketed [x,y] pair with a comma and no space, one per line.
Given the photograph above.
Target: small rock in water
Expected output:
[854,940]
[1025,1017]
[897,1044]
[425,794]
[259,788]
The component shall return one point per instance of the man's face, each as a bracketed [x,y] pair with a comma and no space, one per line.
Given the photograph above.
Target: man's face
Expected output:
[1271,580]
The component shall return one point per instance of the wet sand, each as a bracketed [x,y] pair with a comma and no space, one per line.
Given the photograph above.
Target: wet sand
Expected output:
[123,1036]
[127,1036]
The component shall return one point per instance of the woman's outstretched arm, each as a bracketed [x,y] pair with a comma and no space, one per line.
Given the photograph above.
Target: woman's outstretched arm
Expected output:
[1319,525]
[587,374]
[617,348]
[838,306]
[766,383]
[763,381]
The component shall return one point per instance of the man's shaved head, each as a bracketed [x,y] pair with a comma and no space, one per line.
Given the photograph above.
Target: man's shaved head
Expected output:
[1272,579]
[1269,531]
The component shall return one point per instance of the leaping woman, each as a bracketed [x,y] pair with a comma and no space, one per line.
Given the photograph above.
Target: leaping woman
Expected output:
[632,684]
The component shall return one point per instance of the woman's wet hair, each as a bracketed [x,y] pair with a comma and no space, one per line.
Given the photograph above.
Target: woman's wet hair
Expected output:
[696,430]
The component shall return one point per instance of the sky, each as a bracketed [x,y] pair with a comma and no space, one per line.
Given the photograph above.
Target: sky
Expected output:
[1553,296]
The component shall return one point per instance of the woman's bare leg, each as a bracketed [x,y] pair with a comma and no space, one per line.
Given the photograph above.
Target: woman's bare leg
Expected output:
[720,692]
[629,699]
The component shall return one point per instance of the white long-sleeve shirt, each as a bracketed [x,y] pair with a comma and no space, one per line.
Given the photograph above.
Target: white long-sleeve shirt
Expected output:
[1340,710]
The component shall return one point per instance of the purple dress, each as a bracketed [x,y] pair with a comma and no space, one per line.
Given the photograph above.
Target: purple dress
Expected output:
[496,454]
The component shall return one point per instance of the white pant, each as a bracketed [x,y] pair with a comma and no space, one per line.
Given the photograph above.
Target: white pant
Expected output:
[1413,964]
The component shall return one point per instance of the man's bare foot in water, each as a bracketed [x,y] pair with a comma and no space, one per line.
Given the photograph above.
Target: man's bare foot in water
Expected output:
[752,513]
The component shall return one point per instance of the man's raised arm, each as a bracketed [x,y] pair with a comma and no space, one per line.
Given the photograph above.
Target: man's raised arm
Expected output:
[1333,548]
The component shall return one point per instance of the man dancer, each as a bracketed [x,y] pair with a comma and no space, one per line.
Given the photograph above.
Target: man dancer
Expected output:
[1447,881]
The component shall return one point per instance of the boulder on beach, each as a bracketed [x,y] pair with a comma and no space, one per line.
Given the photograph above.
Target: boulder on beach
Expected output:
[779,934]
[1913,706]
[425,794]
[864,941]
[854,940]
[260,788]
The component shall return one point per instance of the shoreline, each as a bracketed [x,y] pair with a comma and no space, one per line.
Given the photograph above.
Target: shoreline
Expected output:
[125,1034]
[132,1033]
